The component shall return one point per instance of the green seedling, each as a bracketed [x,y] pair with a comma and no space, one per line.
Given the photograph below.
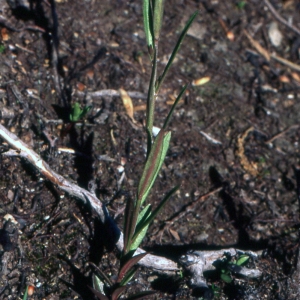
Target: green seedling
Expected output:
[241,4]
[242,260]
[137,220]
[77,113]
[138,213]
[226,266]
[114,290]
[2,48]
[226,275]
[216,290]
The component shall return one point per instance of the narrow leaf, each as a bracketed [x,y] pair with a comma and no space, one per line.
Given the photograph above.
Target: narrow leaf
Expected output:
[150,166]
[129,264]
[138,237]
[85,110]
[141,295]
[155,212]
[243,259]
[176,49]
[98,294]
[147,23]
[129,223]
[143,216]
[98,284]
[117,292]
[167,121]
[151,97]
[157,18]
[140,228]
[153,165]
[128,276]
[101,277]
[26,293]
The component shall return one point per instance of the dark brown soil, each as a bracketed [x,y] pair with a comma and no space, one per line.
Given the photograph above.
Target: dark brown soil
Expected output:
[101,46]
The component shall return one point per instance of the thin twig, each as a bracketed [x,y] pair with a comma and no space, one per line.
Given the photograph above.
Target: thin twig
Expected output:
[161,264]
[211,139]
[275,220]
[110,93]
[265,53]
[24,49]
[279,18]
[198,262]
[285,62]
[276,136]
[203,260]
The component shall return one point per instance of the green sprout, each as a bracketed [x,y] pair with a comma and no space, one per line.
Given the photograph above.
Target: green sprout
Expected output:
[2,48]
[226,266]
[138,213]
[77,113]
[136,220]
[241,4]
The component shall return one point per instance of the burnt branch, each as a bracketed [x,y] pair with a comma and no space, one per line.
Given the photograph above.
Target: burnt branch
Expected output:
[196,262]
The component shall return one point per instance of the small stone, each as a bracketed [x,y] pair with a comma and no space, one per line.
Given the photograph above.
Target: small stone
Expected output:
[274,34]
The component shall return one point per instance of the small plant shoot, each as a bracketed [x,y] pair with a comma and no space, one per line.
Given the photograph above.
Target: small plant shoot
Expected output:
[77,113]
[138,213]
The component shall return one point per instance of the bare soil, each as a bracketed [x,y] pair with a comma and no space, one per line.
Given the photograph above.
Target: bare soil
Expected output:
[101,46]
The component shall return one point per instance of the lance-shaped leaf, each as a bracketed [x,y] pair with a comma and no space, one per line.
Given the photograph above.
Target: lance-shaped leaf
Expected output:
[176,49]
[146,222]
[151,100]
[128,266]
[117,292]
[143,216]
[100,280]
[129,275]
[136,241]
[85,110]
[140,228]
[242,259]
[98,294]
[129,223]
[167,121]
[157,17]
[98,284]
[153,165]
[25,294]
[148,21]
